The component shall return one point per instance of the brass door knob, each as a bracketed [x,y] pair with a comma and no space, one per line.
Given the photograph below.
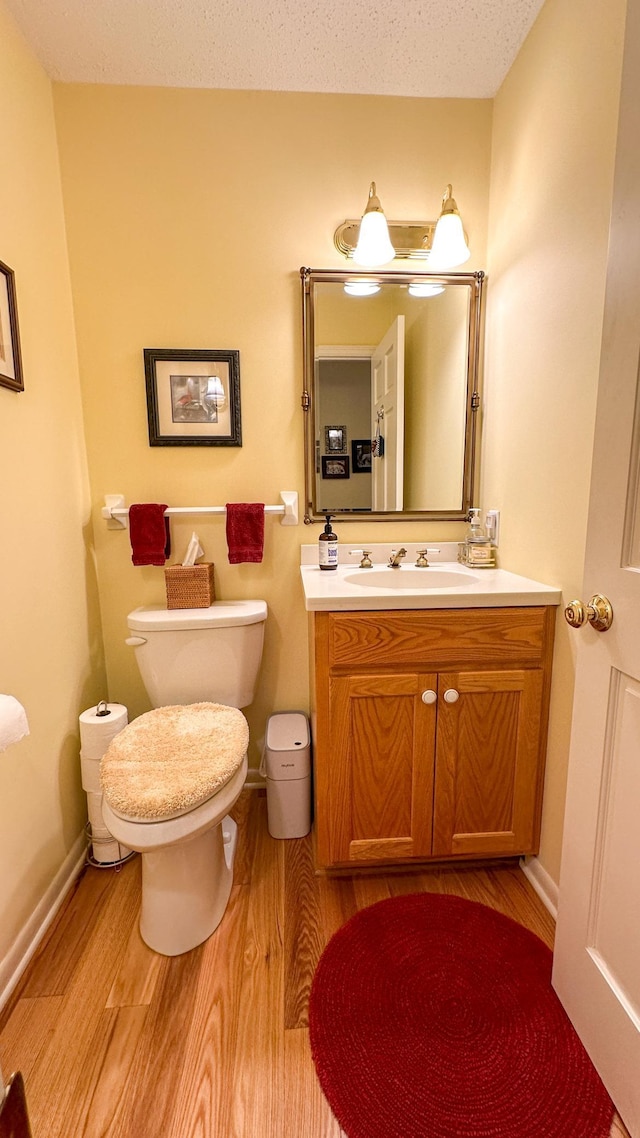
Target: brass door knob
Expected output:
[598,612]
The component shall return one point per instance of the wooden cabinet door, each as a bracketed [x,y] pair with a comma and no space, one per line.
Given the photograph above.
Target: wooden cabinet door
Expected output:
[487,796]
[382,743]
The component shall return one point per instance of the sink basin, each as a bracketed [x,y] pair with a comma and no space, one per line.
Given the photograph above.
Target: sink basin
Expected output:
[444,585]
[405,578]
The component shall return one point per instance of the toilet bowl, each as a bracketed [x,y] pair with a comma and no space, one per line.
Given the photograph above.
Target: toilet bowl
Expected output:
[170,798]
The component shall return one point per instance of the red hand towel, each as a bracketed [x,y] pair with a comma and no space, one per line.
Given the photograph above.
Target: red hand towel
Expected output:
[149,532]
[245,531]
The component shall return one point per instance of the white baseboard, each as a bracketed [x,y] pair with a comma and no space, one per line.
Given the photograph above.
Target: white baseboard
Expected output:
[542,882]
[24,947]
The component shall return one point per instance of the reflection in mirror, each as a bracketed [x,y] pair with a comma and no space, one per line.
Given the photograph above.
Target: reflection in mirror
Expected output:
[391,378]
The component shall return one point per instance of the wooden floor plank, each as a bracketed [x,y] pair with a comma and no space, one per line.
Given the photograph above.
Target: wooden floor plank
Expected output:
[137,975]
[307,1111]
[368,890]
[256,1085]
[149,1103]
[27,1033]
[105,1073]
[246,813]
[303,932]
[203,1091]
[52,1081]
[56,958]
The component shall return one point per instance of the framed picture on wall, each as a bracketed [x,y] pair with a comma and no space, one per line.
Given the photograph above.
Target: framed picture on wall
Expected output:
[10,359]
[193,397]
[361,456]
[335,440]
[335,466]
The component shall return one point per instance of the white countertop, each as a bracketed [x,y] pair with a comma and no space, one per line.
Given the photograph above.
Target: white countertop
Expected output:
[345,588]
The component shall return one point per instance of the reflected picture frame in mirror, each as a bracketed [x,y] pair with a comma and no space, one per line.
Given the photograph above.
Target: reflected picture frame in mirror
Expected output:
[399,367]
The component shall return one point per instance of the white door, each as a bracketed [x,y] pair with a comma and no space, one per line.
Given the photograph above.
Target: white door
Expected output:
[387,398]
[597,958]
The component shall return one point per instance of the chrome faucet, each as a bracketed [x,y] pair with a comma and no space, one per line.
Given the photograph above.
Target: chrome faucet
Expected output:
[396,557]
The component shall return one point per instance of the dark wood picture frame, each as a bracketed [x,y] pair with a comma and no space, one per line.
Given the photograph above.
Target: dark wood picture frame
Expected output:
[10,357]
[361,457]
[193,397]
[335,466]
[335,439]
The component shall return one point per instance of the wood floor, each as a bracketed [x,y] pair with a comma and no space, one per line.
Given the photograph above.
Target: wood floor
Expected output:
[115,1041]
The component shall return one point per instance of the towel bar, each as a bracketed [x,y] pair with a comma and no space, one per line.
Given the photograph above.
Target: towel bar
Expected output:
[115,512]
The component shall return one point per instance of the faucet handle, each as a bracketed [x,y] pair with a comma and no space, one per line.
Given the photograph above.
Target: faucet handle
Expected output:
[365,554]
[422,557]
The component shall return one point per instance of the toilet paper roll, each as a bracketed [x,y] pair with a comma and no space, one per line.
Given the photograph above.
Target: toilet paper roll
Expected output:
[104,847]
[94,810]
[13,721]
[97,731]
[90,771]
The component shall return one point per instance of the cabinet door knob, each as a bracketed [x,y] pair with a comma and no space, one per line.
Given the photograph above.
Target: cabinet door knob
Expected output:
[429,696]
[451,695]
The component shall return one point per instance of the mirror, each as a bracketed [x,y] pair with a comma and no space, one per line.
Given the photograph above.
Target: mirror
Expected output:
[391,364]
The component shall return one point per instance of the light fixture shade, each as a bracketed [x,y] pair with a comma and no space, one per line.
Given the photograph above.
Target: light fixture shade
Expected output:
[422,288]
[361,288]
[449,246]
[374,247]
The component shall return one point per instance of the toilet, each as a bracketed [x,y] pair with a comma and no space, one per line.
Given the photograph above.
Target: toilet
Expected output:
[170,778]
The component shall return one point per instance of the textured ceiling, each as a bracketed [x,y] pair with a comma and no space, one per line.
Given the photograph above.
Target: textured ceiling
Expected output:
[428,48]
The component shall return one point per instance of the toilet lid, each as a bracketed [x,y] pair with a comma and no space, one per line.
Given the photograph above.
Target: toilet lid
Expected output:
[170,760]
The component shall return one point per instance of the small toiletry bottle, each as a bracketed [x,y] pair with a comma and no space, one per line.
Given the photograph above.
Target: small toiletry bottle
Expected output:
[480,553]
[328,547]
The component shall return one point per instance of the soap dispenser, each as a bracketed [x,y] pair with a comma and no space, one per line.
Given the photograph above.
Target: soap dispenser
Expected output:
[480,552]
[328,547]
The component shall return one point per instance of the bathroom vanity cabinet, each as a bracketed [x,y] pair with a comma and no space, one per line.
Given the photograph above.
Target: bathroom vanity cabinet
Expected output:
[430,733]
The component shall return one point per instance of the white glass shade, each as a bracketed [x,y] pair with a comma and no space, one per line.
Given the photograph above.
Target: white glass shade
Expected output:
[361,288]
[422,288]
[449,247]
[374,247]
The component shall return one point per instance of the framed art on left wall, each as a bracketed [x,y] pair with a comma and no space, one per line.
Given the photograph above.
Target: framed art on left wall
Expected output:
[10,360]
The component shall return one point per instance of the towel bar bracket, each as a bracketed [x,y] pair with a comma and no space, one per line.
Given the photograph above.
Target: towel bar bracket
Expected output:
[116,512]
[112,503]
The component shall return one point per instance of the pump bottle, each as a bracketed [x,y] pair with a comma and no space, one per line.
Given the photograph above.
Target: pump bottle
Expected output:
[480,552]
[328,547]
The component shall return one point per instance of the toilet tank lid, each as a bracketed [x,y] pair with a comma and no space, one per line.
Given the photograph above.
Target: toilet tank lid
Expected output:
[221,614]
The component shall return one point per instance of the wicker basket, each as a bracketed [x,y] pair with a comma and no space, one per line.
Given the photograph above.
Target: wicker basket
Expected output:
[189,586]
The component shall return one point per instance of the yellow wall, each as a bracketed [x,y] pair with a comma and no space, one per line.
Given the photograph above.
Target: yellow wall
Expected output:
[552,168]
[50,647]
[189,214]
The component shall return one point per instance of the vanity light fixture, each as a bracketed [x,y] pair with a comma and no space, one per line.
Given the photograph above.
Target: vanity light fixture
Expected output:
[373,242]
[374,247]
[449,246]
[361,288]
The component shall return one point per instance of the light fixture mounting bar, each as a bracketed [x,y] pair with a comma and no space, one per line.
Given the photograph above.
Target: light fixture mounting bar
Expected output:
[410,239]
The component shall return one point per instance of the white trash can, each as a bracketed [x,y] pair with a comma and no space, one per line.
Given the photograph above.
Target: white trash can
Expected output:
[287,766]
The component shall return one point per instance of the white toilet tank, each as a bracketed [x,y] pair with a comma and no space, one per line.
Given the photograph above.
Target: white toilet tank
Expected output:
[207,655]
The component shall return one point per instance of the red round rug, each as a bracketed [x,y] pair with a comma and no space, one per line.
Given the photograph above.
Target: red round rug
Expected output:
[434,1017]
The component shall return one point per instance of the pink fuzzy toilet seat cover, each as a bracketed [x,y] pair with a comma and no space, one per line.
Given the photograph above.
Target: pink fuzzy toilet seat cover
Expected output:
[172,759]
